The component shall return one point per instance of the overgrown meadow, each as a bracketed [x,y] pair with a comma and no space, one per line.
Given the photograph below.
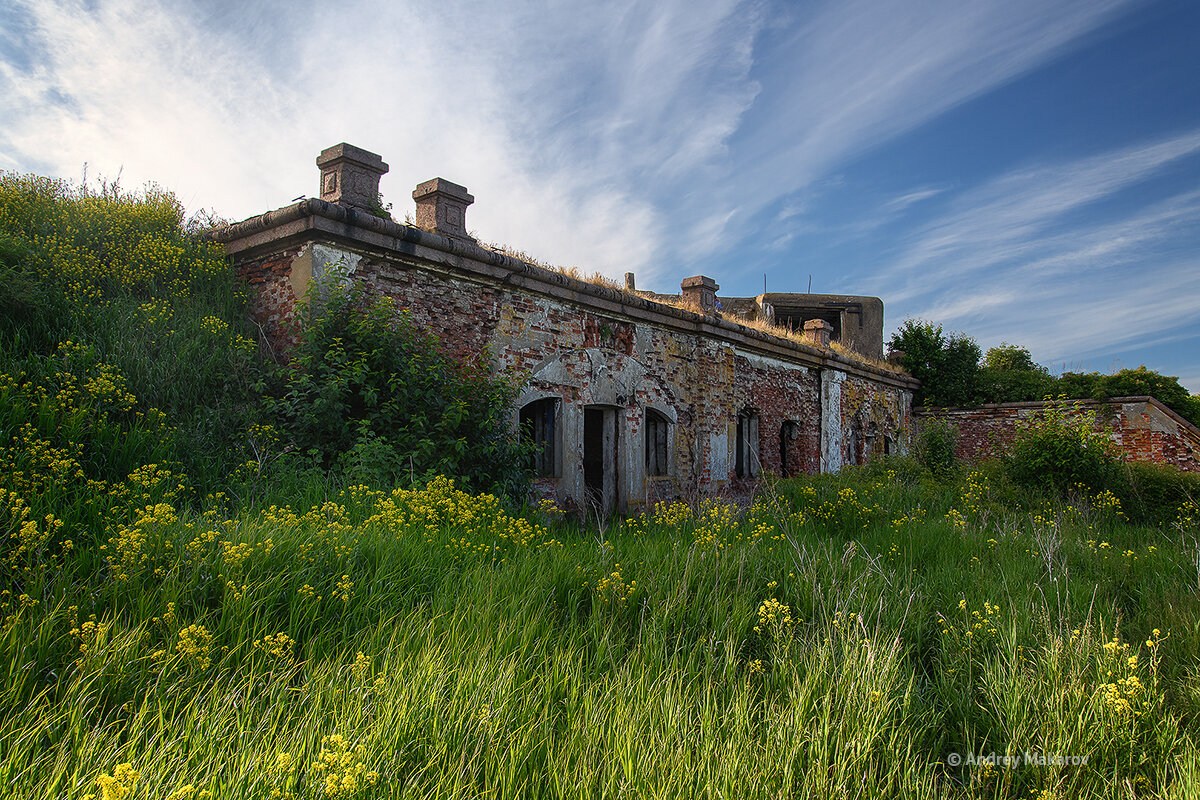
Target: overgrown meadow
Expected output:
[200,602]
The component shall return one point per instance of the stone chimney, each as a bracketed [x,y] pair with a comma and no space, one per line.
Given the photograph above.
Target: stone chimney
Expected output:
[442,207]
[630,286]
[350,176]
[817,332]
[700,290]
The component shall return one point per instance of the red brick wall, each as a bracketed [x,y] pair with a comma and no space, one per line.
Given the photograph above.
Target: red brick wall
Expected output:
[1143,429]
[272,301]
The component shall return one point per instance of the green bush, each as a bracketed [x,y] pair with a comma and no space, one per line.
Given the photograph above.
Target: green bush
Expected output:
[1060,448]
[935,447]
[371,396]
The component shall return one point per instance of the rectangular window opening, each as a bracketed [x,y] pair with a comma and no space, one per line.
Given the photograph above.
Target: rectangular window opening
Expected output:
[537,426]
[656,443]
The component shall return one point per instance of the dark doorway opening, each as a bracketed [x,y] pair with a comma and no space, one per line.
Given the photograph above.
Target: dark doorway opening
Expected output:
[600,458]
[788,433]
[746,458]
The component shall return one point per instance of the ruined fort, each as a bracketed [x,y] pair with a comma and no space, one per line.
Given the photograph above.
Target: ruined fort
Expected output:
[630,397]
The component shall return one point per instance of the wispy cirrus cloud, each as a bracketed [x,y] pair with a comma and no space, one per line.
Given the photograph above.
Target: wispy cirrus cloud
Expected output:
[1017,215]
[856,74]
[667,137]
[562,121]
[1122,311]
[901,203]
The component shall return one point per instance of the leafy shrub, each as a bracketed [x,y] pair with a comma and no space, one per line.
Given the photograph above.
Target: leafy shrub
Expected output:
[369,394]
[1060,448]
[935,447]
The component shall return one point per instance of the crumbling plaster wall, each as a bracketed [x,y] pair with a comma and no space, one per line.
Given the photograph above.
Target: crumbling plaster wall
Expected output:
[582,356]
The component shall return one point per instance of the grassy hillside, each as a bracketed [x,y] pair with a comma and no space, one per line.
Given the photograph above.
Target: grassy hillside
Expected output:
[196,601]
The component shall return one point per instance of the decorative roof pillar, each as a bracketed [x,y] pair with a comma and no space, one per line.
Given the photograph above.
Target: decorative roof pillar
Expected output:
[350,176]
[442,207]
[700,290]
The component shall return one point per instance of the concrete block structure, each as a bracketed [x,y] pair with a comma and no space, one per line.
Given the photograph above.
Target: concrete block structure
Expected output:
[630,400]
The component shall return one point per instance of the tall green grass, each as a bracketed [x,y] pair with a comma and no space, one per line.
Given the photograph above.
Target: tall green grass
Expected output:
[844,637]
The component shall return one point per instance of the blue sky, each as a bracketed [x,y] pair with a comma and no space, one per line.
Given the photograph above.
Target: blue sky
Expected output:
[1024,170]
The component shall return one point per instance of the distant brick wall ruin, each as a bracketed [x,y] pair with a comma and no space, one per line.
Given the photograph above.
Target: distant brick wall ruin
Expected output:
[638,401]
[1142,428]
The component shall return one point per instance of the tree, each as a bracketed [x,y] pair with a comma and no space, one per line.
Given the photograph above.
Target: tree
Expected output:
[1133,383]
[946,364]
[1010,375]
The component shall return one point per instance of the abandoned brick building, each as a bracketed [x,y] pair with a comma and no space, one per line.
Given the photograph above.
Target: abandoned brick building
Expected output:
[632,397]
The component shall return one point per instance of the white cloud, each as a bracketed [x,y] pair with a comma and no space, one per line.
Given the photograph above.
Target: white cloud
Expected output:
[500,99]
[899,204]
[143,93]
[858,73]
